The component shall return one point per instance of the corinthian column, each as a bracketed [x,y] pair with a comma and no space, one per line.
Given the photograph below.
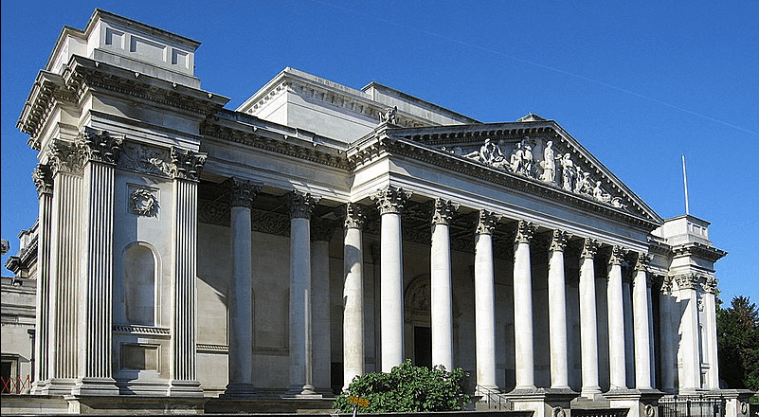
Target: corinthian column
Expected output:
[616,319]
[301,360]
[66,162]
[96,283]
[390,202]
[690,374]
[588,320]
[44,182]
[525,371]
[241,196]
[641,308]
[185,168]
[557,311]
[666,332]
[710,314]
[484,301]
[353,295]
[440,283]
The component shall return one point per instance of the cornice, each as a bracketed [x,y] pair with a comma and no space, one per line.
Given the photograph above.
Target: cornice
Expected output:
[49,90]
[699,250]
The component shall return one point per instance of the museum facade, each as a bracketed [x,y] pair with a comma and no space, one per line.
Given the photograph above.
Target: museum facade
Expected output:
[320,232]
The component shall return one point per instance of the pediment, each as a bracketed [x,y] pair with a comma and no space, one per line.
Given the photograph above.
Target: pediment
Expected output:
[538,152]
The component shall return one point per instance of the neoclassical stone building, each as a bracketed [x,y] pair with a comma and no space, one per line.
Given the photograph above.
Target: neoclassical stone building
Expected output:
[319,232]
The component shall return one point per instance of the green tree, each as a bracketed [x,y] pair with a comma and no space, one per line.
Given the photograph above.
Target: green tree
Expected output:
[738,340]
[407,388]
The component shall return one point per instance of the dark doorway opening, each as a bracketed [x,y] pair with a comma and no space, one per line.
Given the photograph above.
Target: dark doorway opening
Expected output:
[422,346]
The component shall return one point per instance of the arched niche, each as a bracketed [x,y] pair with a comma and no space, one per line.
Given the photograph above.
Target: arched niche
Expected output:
[142,290]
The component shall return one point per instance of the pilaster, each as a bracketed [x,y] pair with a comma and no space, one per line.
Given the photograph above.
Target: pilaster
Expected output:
[709,285]
[43,180]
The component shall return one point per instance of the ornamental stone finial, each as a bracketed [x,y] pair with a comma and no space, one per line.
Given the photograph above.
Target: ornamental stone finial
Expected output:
[100,146]
[525,232]
[559,239]
[443,211]
[241,192]
[391,200]
[486,221]
[353,215]
[43,179]
[589,248]
[301,205]
[186,165]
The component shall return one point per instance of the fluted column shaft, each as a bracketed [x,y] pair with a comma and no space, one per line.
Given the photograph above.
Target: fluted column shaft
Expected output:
[353,295]
[523,329]
[690,374]
[710,314]
[588,320]
[441,308]
[641,322]
[96,283]
[301,359]
[44,182]
[241,193]
[390,203]
[616,320]
[185,169]
[557,311]
[321,234]
[484,301]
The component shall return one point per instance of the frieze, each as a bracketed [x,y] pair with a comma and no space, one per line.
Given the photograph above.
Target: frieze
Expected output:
[43,179]
[213,212]
[144,159]
[271,223]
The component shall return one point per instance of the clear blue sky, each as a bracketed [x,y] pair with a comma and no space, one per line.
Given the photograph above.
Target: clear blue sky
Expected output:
[637,83]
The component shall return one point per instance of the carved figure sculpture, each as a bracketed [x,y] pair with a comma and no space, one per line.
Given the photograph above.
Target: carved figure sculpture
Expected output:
[489,154]
[584,184]
[527,160]
[567,172]
[515,160]
[600,195]
[548,164]
[390,115]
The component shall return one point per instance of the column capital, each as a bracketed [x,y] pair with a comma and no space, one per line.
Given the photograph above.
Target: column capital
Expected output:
[241,192]
[67,157]
[710,285]
[486,221]
[617,255]
[322,229]
[443,211]
[391,200]
[589,248]
[559,239]
[525,232]
[353,215]
[643,261]
[43,179]
[100,146]
[666,284]
[186,165]
[300,204]
[688,281]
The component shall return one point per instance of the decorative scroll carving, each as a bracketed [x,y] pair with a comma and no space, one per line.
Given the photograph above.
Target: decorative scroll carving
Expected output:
[322,229]
[301,205]
[710,285]
[589,248]
[486,221]
[559,239]
[353,215]
[213,212]
[66,157]
[391,200]
[43,179]
[186,165]
[443,211]
[617,255]
[241,192]
[525,232]
[143,202]
[100,146]
[271,223]
[687,281]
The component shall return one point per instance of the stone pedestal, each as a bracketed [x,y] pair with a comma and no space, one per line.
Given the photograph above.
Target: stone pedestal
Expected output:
[640,403]
[543,402]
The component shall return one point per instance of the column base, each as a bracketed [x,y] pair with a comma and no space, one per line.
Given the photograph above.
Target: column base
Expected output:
[57,386]
[301,391]
[184,388]
[592,393]
[239,390]
[95,386]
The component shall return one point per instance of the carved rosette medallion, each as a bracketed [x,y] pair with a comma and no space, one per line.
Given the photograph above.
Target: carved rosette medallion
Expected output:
[67,157]
[617,255]
[687,281]
[100,146]
[559,239]
[300,204]
[241,192]
[143,202]
[353,215]
[43,179]
[486,221]
[525,232]
[443,211]
[185,165]
[391,200]
[589,248]
[710,285]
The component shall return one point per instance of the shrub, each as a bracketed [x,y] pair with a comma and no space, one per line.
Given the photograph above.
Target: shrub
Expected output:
[407,388]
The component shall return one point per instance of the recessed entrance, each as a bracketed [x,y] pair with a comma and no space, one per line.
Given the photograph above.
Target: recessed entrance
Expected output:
[422,346]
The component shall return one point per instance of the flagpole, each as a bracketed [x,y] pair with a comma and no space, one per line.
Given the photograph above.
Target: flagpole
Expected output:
[685,184]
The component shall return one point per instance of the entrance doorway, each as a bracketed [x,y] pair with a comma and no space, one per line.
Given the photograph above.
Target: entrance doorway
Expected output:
[422,346]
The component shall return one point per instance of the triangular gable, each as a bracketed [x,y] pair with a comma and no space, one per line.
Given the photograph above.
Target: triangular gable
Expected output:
[538,151]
